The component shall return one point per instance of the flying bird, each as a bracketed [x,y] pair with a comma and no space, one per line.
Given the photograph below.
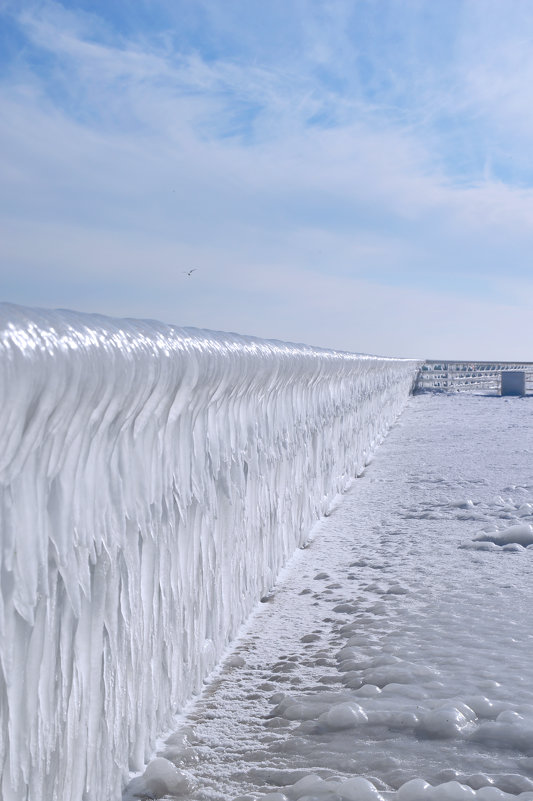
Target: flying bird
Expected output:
[190,272]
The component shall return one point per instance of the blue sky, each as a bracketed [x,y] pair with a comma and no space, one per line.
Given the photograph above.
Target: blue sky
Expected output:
[353,174]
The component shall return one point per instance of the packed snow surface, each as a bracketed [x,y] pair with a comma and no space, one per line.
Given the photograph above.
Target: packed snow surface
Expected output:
[154,481]
[394,659]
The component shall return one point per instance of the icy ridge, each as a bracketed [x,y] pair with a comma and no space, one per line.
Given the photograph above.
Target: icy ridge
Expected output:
[154,480]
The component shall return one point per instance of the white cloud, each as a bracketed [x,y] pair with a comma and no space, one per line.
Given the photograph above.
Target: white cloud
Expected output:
[351,235]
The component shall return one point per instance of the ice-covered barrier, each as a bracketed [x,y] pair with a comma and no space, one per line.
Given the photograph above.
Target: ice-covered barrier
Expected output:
[154,480]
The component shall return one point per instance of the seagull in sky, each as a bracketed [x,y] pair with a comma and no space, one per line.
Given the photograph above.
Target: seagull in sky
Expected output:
[190,272]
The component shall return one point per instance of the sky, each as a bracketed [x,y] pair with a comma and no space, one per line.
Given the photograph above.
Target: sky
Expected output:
[353,174]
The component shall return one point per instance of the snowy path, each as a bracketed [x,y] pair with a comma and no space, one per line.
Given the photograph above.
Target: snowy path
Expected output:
[396,647]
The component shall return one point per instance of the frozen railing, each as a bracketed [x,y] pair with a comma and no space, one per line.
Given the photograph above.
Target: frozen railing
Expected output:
[461,376]
[153,481]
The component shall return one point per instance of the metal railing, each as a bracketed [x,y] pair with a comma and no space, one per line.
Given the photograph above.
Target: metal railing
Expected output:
[448,376]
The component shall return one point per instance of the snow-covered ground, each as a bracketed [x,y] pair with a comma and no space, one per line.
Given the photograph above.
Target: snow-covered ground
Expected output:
[394,658]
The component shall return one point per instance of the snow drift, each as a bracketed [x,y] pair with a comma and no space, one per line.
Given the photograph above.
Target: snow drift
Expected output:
[154,480]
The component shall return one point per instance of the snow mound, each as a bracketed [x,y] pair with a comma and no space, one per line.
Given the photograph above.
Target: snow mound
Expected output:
[342,716]
[160,778]
[521,534]
[446,721]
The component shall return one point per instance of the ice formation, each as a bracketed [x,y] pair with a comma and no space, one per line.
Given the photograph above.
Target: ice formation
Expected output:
[154,480]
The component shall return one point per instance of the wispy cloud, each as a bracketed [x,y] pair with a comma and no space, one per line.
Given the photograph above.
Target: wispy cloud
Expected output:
[321,170]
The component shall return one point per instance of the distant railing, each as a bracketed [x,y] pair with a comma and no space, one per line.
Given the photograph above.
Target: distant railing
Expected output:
[441,376]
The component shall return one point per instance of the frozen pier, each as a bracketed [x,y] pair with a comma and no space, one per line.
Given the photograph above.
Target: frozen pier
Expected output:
[154,481]
[393,658]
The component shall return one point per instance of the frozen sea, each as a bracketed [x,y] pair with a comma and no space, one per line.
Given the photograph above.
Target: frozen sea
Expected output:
[394,657]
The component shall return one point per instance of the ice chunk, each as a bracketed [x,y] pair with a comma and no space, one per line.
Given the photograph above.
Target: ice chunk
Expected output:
[313,787]
[235,661]
[446,721]
[305,786]
[414,790]
[521,534]
[342,716]
[162,777]
[359,789]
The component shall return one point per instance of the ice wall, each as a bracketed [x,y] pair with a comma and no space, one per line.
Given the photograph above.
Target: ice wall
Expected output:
[153,482]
